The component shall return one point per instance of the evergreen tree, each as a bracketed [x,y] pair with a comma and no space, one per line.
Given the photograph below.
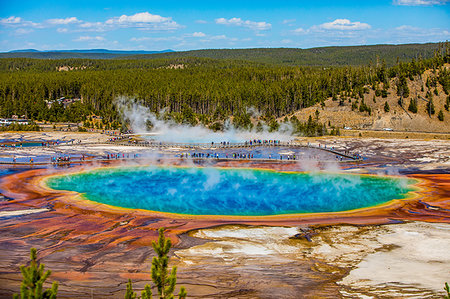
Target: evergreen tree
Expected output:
[147,292]
[386,107]
[413,106]
[164,281]
[430,107]
[130,294]
[402,87]
[441,115]
[33,281]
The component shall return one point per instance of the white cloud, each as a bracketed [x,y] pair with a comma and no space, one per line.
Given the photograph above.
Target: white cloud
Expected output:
[23,31]
[248,24]
[89,38]
[156,39]
[344,24]
[92,26]
[201,22]
[420,2]
[217,37]
[406,33]
[65,21]
[198,34]
[288,21]
[18,22]
[299,31]
[11,20]
[407,28]
[139,39]
[62,30]
[144,20]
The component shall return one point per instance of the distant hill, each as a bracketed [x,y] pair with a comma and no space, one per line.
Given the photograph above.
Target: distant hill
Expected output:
[325,56]
[64,54]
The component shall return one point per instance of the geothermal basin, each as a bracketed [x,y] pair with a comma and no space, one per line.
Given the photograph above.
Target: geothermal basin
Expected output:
[231,191]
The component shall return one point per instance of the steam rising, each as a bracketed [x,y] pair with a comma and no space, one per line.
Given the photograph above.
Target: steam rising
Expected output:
[139,116]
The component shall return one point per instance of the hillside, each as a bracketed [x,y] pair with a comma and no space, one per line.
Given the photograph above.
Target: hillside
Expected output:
[214,91]
[397,119]
[324,56]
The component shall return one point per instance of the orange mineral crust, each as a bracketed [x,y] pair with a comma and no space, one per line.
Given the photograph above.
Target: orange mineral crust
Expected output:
[72,218]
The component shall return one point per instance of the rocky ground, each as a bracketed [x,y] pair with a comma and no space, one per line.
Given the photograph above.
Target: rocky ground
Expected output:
[235,261]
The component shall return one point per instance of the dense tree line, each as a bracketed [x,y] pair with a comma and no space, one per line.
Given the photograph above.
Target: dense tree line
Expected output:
[192,90]
[322,56]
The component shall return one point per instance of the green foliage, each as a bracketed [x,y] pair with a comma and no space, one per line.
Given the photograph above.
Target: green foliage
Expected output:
[386,107]
[363,107]
[447,290]
[441,115]
[130,294]
[378,92]
[430,107]
[165,282]
[20,127]
[444,79]
[33,281]
[402,87]
[183,293]
[242,121]
[413,106]
[163,279]
[204,89]
[147,292]
[311,128]
[324,56]
[447,103]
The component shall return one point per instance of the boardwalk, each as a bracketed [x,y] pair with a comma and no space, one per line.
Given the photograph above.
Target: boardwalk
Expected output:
[228,145]
[190,147]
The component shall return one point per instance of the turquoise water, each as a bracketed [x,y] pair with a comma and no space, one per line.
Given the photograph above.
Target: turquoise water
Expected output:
[217,191]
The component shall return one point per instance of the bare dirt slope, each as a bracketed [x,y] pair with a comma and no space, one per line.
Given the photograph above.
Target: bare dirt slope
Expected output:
[397,119]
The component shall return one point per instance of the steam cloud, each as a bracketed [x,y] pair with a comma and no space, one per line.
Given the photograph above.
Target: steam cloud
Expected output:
[138,116]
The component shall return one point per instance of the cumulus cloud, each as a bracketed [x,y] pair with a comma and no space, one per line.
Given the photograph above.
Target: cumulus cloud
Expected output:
[420,2]
[244,23]
[92,26]
[14,21]
[198,34]
[11,20]
[344,24]
[299,31]
[144,20]
[89,38]
[65,21]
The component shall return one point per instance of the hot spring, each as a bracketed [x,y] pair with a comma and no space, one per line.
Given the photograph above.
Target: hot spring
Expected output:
[237,191]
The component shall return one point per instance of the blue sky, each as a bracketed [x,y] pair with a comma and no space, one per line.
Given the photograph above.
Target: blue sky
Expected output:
[186,25]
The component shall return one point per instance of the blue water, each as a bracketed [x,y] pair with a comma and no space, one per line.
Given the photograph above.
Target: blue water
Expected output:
[216,191]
